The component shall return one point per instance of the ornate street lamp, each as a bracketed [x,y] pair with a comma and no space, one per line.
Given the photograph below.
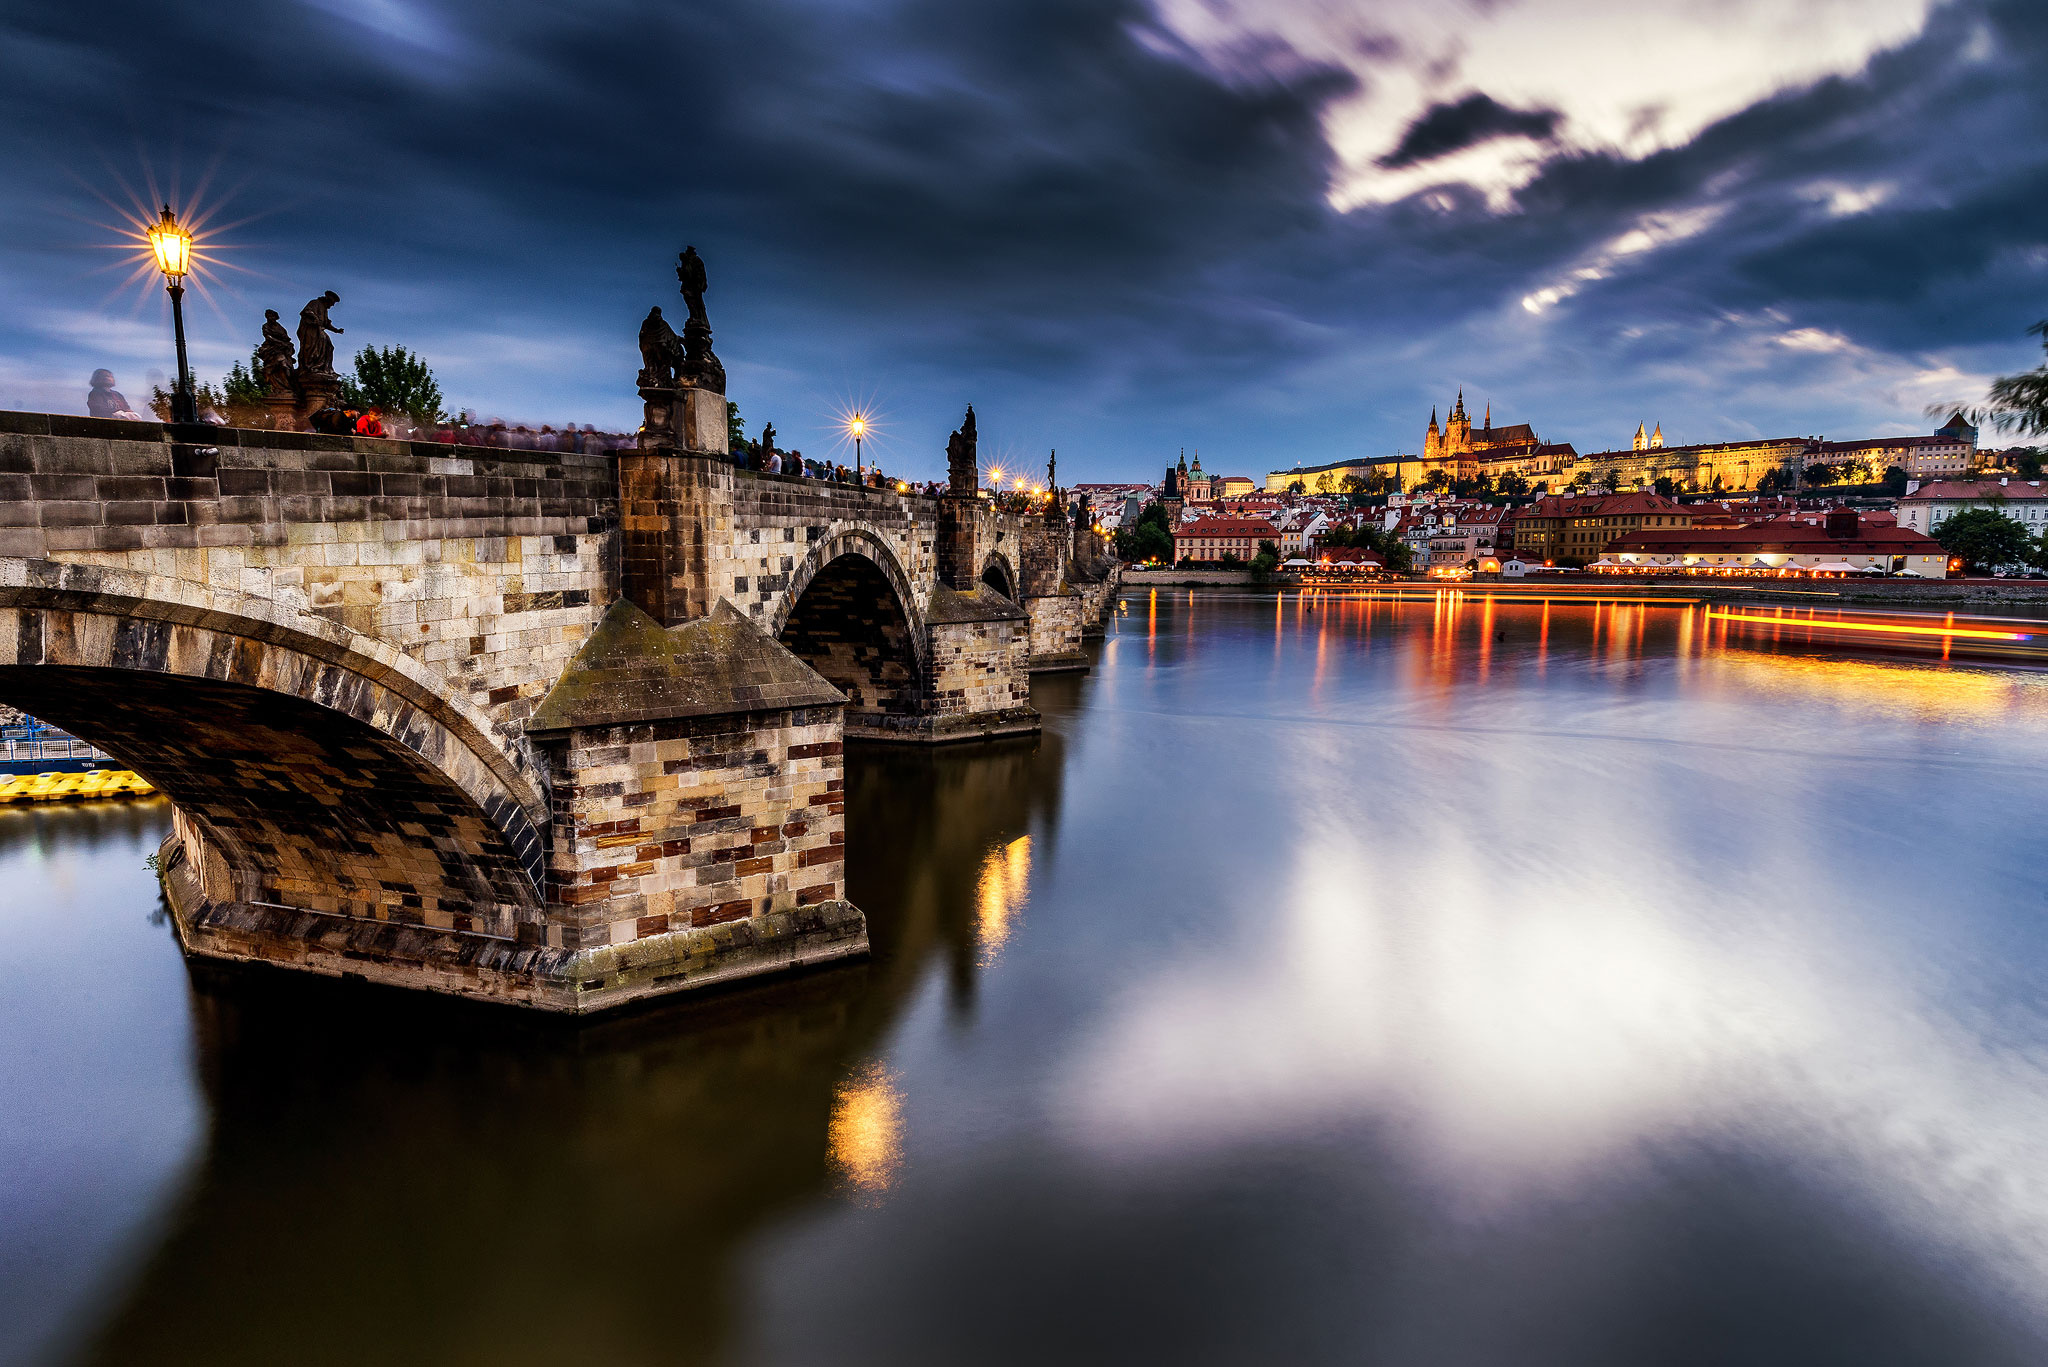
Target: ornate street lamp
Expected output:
[858,426]
[172,243]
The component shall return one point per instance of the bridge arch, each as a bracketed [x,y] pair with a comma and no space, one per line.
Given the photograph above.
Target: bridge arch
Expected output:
[323,770]
[850,613]
[998,574]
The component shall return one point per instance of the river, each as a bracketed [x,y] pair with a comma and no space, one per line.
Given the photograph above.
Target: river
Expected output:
[1337,981]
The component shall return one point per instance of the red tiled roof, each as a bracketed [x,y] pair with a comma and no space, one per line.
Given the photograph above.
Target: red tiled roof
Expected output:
[1791,537]
[1600,505]
[1977,489]
[1227,526]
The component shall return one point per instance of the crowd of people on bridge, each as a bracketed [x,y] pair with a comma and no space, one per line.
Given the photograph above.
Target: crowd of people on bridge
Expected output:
[465,429]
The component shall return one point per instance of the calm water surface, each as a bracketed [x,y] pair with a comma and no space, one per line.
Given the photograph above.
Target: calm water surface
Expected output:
[1368,983]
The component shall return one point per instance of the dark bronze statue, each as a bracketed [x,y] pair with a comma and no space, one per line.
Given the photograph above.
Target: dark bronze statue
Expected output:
[700,366]
[962,476]
[767,440]
[661,352]
[690,275]
[274,355]
[316,352]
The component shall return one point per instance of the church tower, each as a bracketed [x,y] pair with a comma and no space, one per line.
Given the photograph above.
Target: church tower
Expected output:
[1458,431]
[1657,438]
[1642,442]
[1435,438]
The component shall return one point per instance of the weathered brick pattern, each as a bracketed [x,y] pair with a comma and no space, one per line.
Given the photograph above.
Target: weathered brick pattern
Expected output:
[974,670]
[304,805]
[680,825]
[1056,631]
[489,565]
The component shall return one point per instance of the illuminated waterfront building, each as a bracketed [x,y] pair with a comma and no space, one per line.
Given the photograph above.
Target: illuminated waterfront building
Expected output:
[2025,501]
[1563,527]
[1838,540]
[1212,538]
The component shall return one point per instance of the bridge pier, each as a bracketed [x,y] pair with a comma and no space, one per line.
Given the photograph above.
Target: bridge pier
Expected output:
[560,729]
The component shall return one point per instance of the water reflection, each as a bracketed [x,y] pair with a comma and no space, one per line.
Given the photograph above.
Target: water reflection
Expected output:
[1349,979]
[1005,880]
[866,1137]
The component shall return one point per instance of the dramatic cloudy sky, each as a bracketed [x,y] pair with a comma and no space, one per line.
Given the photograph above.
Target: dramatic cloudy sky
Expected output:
[1270,230]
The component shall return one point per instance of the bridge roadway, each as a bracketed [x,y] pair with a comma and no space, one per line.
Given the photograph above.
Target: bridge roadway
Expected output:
[554,729]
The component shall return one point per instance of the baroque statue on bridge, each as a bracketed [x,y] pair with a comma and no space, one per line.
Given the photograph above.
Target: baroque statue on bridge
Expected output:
[701,366]
[661,352]
[274,356]
[316,352]
[962,476]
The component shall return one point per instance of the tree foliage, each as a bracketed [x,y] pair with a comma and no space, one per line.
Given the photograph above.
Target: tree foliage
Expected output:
[1149,538]
[2021,401]
[393,381]
[1986,539]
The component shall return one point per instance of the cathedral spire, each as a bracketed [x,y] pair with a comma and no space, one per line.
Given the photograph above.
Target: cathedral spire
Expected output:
[1489,415]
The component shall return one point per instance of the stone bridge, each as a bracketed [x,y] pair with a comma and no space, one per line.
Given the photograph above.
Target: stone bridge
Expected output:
[557,729]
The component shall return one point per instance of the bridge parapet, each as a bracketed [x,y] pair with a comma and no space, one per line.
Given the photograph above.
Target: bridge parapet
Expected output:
[491,566]
[329,652]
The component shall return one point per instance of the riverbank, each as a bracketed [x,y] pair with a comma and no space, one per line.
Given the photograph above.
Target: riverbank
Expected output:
[1931,593]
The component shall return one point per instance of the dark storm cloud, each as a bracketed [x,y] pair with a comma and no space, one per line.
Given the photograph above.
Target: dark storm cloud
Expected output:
[1047,205]
[1447,128]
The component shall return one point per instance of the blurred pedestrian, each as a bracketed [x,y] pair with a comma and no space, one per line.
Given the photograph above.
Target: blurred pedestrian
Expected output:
[105,401]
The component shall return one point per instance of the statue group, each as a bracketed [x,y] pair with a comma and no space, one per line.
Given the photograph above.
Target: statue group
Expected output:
[298,386]
[670,362]
[962,475]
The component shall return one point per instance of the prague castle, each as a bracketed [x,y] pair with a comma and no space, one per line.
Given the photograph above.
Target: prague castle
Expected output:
[1465,452]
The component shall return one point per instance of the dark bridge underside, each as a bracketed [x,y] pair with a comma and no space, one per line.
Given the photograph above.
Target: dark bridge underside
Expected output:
[307,807]
[850,627]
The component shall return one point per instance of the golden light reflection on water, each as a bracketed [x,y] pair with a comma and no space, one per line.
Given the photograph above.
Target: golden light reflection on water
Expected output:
[865,1138]
[1002,892]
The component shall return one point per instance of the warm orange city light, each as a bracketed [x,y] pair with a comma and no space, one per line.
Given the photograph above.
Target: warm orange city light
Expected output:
[171,242]
[857,425]
[1970,633]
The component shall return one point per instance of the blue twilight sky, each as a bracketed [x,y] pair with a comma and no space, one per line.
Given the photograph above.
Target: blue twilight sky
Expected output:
[1268,230]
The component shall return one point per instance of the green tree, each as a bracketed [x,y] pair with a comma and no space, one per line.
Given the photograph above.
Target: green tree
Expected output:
[1821,476]
[393,380]
[1895,481]
[243,388]
[1774,480]
[1512,486]
[1666,486]
[1986,539]
[1437,480]
[2021,401]
[2026,460]
[1147,539]
[1297,488]
[735,426]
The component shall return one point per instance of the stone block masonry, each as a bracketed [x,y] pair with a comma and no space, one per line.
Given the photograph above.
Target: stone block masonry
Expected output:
[547,728]
[491,566]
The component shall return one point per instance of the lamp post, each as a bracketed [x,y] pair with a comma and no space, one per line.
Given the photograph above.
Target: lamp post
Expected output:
[171,241]
[858,425]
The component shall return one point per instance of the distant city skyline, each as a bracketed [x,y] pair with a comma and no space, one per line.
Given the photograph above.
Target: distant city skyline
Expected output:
[1273,233]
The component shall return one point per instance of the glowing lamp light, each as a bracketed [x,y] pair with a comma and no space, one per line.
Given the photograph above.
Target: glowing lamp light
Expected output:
[171,242]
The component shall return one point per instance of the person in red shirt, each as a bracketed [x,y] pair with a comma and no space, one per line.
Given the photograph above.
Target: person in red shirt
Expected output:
[369,424]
